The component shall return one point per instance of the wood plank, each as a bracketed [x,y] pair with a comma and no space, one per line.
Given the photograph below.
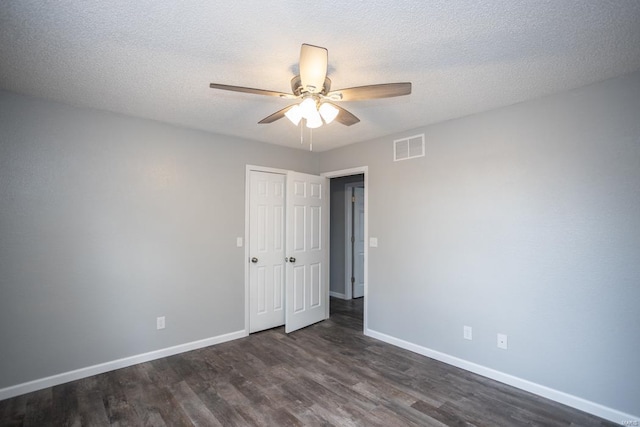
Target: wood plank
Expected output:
[153,403]
[116,405]
[191,404]
[90,403]
[221,409]
[12,411]
[39,411]
[65,404]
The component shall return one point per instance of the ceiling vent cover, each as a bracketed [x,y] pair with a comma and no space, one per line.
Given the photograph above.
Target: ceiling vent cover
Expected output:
[408,148]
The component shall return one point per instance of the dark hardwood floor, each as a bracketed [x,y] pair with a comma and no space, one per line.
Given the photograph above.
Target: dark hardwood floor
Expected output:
[326,374]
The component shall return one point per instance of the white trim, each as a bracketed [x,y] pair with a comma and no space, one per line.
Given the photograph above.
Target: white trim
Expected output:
[89,371]
[346,172]
[247,202]
[326,237]
[337,295]
[540,390]
[356,171]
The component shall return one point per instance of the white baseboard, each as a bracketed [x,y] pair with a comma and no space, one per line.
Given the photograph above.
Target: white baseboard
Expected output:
[337,295]
[549,393]
[77,374]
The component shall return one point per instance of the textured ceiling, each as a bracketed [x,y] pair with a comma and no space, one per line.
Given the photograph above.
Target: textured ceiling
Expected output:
[155,59]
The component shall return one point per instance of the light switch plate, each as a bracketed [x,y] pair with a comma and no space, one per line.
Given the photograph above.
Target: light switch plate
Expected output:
[467,333]
[239,242]
[373,242]
[502,341]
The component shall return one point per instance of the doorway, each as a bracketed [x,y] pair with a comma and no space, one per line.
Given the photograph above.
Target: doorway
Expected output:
[342,185]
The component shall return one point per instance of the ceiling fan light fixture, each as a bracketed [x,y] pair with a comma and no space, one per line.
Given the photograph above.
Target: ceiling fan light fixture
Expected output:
[294,114]
[315,121]
[328,112]
[308,108]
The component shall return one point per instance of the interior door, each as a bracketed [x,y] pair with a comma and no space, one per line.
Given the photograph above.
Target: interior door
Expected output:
[358,242]
[306,270]
[266,249]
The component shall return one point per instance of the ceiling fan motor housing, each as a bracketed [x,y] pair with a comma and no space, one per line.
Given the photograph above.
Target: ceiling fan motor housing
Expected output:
[298,90]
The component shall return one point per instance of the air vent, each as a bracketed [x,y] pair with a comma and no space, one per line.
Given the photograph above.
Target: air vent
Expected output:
[408,148]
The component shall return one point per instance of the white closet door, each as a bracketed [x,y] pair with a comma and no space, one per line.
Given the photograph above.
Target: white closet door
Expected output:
[266,249]
[307,267]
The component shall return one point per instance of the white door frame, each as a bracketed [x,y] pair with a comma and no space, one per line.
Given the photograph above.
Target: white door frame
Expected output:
[348,172]
[247,221]
[348,212]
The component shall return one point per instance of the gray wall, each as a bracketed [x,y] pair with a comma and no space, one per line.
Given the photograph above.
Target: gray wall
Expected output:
[107,222]
[337,226]
[524,221]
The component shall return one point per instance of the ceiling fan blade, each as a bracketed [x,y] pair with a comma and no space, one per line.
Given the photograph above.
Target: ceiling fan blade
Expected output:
[275,116]
[313,67]
[345,117]
[251,90]
[386,90]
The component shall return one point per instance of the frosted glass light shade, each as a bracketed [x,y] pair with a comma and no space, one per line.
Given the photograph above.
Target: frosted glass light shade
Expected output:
[315,121]
[328,112]
[294,114]
[308,108]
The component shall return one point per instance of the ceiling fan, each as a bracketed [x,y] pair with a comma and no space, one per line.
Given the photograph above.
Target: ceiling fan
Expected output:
[313,88]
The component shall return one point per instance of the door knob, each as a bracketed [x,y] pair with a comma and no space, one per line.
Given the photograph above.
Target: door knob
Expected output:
[254,260]
[292,259]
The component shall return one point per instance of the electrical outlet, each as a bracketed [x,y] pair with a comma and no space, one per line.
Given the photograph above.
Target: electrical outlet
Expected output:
[373,242]
[467,333]
[502,341]
[160,322]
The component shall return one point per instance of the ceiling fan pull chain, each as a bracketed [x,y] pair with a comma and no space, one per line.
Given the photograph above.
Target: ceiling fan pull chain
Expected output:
[310,139]
[301,132]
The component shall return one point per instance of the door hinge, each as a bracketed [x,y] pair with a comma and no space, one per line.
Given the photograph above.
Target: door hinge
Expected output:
[353,199]
[353,279]
[353,239]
